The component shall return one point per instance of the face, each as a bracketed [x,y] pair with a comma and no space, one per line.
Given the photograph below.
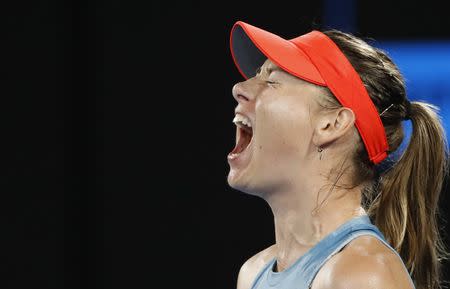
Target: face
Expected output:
[278,147]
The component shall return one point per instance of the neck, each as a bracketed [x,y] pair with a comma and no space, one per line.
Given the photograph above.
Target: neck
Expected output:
[298,227]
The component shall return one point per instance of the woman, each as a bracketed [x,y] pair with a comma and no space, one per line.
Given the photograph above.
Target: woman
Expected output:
[318,118]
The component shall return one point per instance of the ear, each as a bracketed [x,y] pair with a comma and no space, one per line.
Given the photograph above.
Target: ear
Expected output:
[333,125]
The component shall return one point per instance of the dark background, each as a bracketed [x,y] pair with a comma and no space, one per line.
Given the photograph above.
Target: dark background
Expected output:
[116,127]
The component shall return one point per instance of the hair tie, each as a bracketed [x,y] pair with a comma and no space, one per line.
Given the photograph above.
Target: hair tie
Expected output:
[408,111]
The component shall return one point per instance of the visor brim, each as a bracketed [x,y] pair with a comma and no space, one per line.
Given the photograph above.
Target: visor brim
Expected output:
[251,46]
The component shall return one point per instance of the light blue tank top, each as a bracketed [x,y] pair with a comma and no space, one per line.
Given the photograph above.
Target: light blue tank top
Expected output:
[301,274]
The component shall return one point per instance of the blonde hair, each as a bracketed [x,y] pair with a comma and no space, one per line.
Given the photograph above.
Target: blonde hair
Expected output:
[402,199]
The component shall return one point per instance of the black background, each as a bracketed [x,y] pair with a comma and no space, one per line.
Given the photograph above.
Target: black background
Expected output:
[116,127]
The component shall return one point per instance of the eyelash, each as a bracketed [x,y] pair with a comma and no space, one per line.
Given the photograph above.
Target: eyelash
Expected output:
[270,82]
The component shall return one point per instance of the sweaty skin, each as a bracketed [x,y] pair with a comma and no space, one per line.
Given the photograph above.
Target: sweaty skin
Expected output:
[282,166]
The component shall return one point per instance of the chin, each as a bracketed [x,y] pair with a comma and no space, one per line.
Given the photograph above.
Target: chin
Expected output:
[236,182]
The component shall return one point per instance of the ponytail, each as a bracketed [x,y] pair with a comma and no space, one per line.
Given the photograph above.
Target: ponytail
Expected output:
[403,199]
[407,210]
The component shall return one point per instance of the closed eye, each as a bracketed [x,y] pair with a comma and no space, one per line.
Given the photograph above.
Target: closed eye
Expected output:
[271,83]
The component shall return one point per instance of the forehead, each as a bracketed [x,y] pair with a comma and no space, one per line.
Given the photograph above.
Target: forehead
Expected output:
[288,79]
[269,66]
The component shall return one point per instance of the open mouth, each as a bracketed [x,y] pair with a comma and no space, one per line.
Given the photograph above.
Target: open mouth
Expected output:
[244,136]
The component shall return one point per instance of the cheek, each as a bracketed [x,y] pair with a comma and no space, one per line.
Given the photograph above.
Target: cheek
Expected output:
[283,126]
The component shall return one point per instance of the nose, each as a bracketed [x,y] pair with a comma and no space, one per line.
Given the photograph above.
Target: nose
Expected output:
[240,93]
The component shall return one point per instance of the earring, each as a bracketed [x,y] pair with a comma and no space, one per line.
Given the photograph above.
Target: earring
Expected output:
[319,149]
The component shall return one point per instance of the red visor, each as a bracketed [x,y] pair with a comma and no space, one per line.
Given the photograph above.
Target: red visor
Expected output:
[313,57]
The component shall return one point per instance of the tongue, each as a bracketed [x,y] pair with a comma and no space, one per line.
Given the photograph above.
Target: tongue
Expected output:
[244,138]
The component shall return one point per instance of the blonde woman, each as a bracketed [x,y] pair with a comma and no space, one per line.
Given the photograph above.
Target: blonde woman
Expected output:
[318,118]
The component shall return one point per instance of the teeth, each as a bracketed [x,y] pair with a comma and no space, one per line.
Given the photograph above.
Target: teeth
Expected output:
[239,118]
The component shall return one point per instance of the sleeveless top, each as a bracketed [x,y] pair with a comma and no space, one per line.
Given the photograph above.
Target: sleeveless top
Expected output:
[301,274]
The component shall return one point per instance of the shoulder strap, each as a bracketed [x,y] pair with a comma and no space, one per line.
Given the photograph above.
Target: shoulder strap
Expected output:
[309,271]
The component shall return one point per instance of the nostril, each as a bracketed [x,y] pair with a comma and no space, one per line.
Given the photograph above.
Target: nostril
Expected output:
[242,96]
[239,92]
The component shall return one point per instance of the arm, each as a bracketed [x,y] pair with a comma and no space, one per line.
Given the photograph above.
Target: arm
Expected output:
[371,273]
[246,275]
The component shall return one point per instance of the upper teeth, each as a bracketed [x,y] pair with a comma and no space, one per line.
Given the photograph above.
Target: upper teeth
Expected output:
[242,119]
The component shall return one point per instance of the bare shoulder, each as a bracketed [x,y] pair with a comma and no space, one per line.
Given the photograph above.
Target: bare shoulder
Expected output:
[253,266]
[364,263]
